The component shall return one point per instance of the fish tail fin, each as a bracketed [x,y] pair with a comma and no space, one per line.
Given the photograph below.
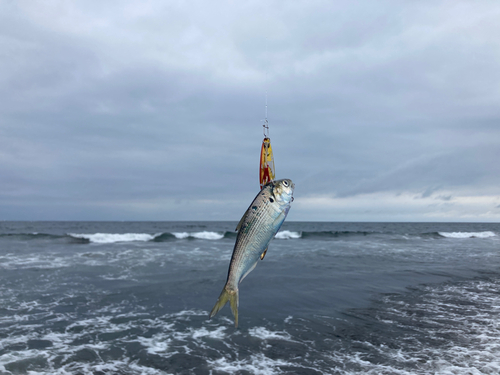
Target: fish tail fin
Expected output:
[227,295]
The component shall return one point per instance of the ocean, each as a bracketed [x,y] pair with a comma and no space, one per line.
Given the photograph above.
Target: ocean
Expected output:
[328,298]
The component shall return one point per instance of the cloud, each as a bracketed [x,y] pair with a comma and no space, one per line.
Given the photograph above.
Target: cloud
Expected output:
[401,207]
[124,110]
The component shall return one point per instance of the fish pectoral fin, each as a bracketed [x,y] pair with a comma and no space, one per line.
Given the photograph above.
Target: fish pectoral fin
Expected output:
[279,220]
[263,254]
[249,270]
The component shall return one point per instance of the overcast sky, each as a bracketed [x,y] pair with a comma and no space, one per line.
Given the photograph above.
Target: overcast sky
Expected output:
[153,110]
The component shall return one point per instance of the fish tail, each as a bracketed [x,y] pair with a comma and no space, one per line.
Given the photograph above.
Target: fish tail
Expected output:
[230,295]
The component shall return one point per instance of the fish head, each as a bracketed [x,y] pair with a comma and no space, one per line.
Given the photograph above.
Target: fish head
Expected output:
[283,191]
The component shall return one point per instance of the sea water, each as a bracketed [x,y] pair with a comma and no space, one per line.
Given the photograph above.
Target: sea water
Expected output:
[328,298]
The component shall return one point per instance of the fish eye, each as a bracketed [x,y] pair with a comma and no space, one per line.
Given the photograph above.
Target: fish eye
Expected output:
[285,183]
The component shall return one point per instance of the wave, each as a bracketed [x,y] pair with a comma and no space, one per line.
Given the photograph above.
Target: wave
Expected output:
[336,234]
[114,237]
[32,236]
[200,235]
[288,235]
[108,238]
[104,238]
[485,234]
[145,237]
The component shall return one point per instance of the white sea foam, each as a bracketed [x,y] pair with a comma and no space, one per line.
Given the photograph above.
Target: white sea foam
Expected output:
[183,313]
[114,237]
[143,370]
[257,364]
[485,234]
[264,334]
[208,235]
[471,333]
[181,235]
[40,261]
[203,332]
[288,235]
[156,344]
[200,235]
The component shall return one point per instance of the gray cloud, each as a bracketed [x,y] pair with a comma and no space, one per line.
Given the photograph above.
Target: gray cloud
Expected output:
[153,111]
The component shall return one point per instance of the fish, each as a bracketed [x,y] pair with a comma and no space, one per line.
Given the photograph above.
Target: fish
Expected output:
[258,226]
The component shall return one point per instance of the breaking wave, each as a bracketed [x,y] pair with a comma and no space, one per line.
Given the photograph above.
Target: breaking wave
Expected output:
[144,237]
[108,238]
[288,235]
[486,234]
[114,237]
[199,235]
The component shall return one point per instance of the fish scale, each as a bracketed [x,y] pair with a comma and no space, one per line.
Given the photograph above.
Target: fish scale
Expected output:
[256,229]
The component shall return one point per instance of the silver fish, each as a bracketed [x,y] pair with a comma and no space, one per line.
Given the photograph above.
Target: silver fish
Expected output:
[256,229]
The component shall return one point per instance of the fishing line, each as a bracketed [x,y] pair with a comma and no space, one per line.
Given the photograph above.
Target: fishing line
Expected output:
[266,60]
[266,169]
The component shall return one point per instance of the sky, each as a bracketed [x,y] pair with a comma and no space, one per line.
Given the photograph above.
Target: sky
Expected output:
[153,110]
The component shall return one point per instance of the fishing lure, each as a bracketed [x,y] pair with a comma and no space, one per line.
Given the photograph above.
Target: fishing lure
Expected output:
[266,173]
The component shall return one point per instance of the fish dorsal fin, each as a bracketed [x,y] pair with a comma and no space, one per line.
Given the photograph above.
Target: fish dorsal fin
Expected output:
[263,254]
